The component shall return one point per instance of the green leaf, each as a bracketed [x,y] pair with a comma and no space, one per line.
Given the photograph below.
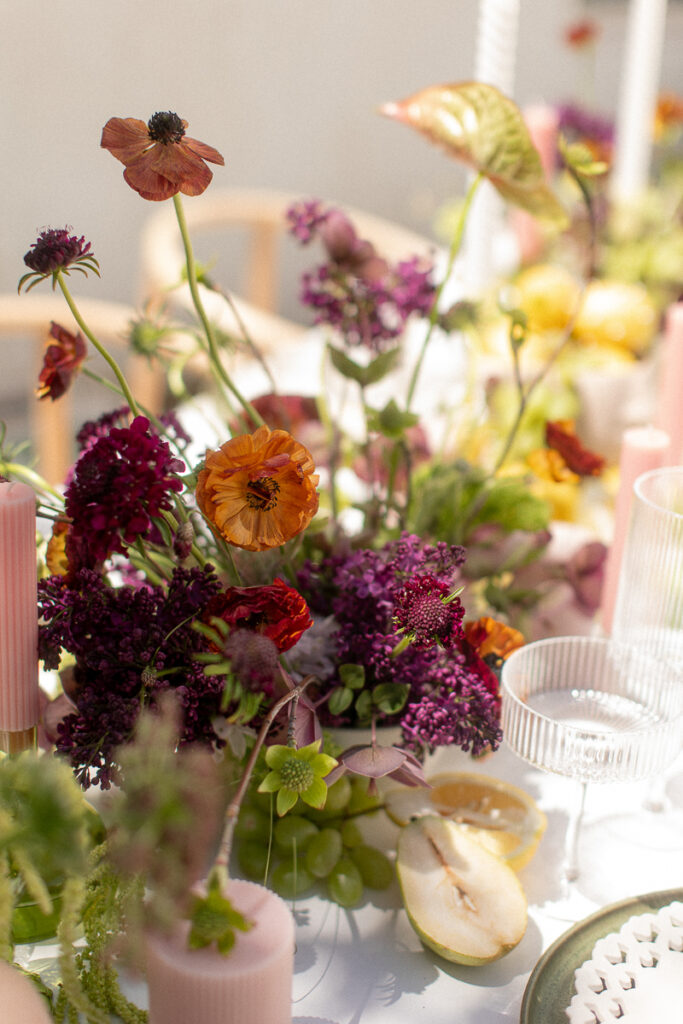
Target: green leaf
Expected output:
[352,676]
[390,697]
[364,375]
[340,699]
[364,706]
[484,129]
[391,421]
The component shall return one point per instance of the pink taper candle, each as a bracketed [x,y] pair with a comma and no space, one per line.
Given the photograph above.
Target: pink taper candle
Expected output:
[251,985]
[19,693]
[20,1000]
[542,122]
[670,389]
[642,449]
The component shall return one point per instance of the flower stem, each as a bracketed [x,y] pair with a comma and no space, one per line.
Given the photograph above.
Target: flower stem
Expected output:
[219,870]
[452,253]
[206,323]
[125,390]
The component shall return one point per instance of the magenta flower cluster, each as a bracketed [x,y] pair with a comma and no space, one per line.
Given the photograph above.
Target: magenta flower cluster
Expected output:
[356,291]
[359,590]
[120,483]
[130,645]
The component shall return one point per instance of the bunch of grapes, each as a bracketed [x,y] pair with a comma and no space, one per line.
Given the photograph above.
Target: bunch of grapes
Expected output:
[308,847]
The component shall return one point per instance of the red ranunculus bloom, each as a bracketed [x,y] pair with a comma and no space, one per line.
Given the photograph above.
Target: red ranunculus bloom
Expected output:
[160,159]
[63,357]
[277,611]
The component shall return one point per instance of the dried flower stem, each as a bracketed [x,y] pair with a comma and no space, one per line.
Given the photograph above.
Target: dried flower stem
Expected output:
[219,870]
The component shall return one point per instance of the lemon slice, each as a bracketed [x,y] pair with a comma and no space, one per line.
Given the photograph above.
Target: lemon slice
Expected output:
[501,817]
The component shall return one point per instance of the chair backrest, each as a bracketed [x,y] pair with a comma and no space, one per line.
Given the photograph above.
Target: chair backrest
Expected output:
[261,215]
[51,423]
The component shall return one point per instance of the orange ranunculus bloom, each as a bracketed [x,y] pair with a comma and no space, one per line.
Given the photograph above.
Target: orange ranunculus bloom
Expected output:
[491,637]
[64,353]
[258,490]
[160,159]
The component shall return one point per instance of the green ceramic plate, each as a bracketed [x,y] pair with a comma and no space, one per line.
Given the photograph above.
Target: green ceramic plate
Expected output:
[551,985]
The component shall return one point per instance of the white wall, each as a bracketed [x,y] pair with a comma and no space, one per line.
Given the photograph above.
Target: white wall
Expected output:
[285,89]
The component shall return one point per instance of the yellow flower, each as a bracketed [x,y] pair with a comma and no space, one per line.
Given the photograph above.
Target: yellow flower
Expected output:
[258,490]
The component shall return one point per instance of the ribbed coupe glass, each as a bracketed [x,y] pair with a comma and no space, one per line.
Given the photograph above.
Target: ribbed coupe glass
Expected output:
[593,710]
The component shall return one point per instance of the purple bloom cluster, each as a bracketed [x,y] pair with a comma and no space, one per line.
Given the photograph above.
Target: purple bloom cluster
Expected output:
[424,612]
[92,430]
[360,590]
[130,644]
[119,484]
[55,249]
[578,123]
[463,714]
[355,290]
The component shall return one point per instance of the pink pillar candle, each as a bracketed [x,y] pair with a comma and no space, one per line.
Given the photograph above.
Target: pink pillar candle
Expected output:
[19,998]
[670,382]
[642,449]
[251,985]
[19,693]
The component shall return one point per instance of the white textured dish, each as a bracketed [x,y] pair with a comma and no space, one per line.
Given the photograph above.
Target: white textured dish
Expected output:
[635,975]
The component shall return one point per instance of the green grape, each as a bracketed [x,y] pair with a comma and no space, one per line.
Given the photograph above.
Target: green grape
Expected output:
[361,800]
[351,834]
[344,884]
[293,829]
[252,857]
[290,883]
[375,868]
[338,796]
[323,852]
[253,824]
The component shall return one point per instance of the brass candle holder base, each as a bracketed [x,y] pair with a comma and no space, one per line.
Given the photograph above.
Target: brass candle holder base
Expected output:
[15,742]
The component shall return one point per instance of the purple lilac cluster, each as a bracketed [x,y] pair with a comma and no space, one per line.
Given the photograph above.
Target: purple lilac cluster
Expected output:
[130,644]
[359,589]
[119,484]
[355,291]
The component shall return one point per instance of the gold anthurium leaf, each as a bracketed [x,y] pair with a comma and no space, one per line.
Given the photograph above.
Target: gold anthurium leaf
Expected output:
[484,129]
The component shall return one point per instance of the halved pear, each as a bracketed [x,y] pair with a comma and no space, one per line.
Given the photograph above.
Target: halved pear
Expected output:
[464,902]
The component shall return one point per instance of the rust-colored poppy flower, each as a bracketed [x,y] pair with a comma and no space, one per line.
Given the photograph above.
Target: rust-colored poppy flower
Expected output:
[64,353]
[581,33]
[258,490]
[160,159]
[560,436]
[668,114]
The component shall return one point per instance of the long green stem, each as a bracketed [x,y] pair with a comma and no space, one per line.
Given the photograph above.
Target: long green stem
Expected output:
[125,390]
[452,253]
[201,313]
[219,871]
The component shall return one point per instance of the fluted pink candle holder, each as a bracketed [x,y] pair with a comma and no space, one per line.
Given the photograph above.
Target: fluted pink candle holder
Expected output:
[251,985]
[19,998]
[19,693]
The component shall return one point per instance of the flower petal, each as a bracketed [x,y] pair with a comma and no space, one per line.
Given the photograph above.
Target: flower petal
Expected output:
[277,754]
[271,783]
[315,795]
[125,138]
[286,798]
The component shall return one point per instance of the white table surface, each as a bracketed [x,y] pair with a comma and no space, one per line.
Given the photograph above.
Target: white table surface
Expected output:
[366,965]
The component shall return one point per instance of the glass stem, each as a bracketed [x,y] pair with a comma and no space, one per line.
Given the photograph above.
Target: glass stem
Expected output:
[571,864]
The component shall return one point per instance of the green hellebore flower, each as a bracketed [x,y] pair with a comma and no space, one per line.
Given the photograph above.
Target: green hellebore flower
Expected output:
[297,773]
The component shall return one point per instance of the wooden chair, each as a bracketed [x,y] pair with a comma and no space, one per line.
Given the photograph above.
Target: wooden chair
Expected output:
[51,423]
[259,215]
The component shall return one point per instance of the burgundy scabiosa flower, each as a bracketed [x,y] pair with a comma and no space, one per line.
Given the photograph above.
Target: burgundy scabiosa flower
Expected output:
[56,251]
[428,612]
[119,484]
[160,159]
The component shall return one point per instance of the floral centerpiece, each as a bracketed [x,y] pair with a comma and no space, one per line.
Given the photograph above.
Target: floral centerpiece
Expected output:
[232,585]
